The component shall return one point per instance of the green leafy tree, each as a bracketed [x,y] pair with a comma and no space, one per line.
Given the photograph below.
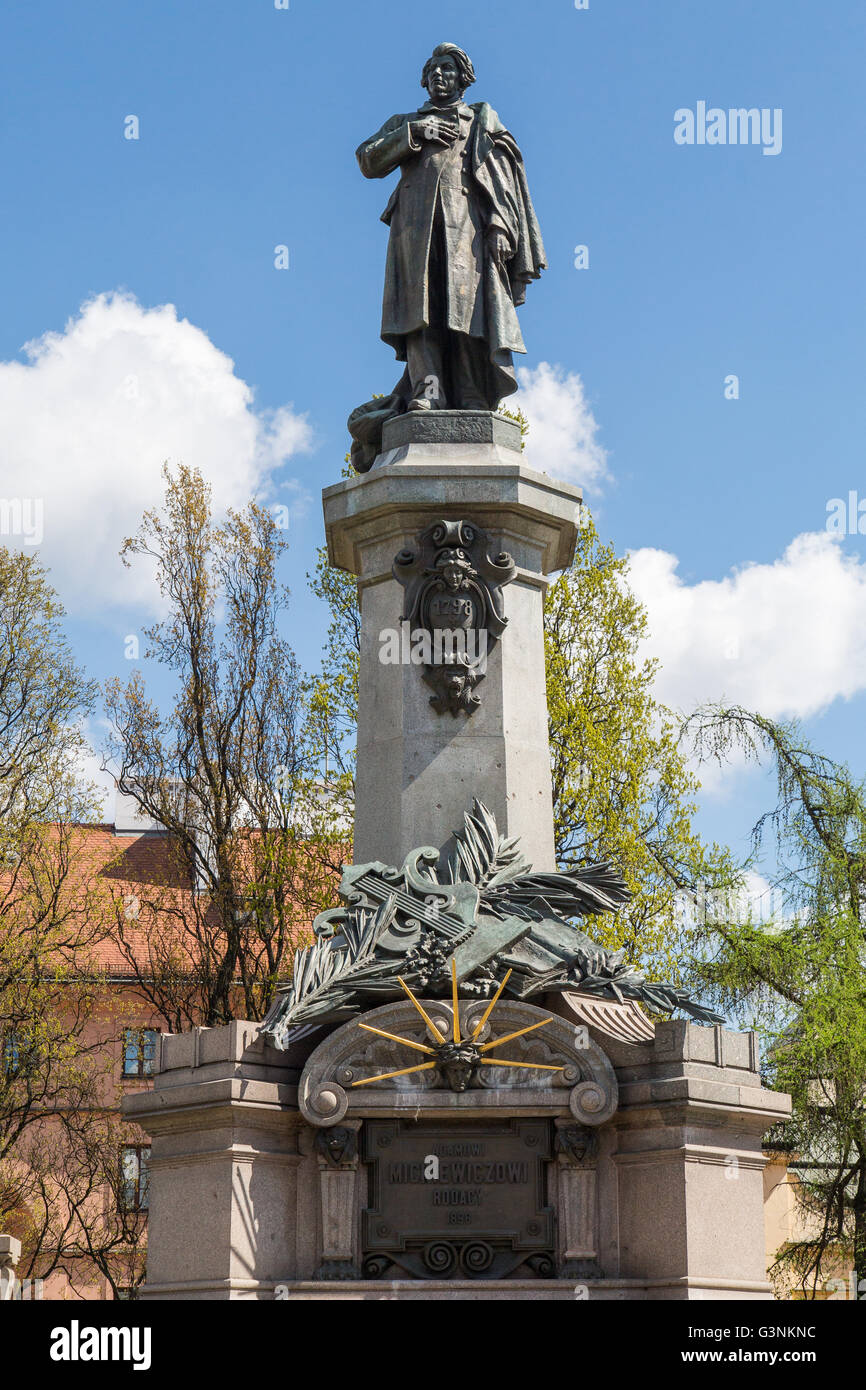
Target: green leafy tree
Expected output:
[622,788]
[800,978]
[44,697]
[254,836]
[332,694]
[54,1062]
[47,926]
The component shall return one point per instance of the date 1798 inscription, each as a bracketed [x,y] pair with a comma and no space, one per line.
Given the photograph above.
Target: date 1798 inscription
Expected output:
[448,1200]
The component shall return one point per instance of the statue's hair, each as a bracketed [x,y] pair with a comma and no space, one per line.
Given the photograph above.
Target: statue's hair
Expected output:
[465,70]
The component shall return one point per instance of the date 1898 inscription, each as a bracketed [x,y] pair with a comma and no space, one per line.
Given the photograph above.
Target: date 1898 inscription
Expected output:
[479,1187]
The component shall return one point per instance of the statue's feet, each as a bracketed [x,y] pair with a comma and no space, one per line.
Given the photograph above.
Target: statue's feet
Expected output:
[420,404]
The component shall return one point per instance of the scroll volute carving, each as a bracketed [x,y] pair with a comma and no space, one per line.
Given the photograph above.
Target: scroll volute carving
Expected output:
[455,608]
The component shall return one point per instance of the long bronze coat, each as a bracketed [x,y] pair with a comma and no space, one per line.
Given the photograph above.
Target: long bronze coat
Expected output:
[474,184]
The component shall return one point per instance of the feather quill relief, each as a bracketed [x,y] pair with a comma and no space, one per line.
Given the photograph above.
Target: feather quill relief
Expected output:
[482,856]
[496,866]
[343,972]
[508,887]
[580,893]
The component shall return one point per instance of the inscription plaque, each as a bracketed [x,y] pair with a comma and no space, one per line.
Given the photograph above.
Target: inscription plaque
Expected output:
[457,1200]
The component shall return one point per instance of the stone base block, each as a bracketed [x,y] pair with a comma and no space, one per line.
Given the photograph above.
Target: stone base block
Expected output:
[524,1290]
[250,1201]
[460,427]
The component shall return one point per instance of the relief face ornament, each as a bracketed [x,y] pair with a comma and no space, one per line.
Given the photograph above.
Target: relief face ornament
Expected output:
[454,589]
[458,1058]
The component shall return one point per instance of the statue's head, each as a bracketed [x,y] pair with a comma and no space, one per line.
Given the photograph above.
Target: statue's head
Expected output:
[447,72]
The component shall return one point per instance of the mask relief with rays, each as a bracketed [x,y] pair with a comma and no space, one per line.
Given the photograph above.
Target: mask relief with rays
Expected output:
[457,1058]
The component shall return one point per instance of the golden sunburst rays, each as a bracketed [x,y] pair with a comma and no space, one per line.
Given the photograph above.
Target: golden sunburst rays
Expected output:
[457,1037]
[430,1024]
[419,1047]
[442,1043]
[489,1010]
[407,1042]
[384,1075]
[501,1062]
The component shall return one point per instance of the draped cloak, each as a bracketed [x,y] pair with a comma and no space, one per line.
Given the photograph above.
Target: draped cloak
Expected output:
[477,184]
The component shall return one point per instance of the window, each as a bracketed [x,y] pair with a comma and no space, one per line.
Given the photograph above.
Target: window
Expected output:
[204,864]
[19,1056]
[139,1051]
[11,1054]
[134,1166]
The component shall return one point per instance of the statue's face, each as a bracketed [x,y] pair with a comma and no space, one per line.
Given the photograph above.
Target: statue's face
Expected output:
[443,79]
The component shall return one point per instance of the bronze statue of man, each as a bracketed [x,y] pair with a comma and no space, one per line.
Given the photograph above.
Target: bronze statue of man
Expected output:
[464,243]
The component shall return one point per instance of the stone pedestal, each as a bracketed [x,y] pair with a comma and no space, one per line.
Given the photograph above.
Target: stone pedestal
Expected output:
[596,1158]
[653,1181]
[418,770]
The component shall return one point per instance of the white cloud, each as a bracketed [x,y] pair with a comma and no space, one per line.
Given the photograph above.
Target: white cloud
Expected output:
[88,766]
[757,899]
[562,438]
[785,639]
[89,419]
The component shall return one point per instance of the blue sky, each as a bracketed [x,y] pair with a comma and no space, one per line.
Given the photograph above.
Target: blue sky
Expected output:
[703,262]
